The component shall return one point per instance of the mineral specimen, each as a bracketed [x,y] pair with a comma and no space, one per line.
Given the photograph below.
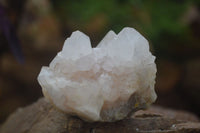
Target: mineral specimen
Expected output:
[106,83]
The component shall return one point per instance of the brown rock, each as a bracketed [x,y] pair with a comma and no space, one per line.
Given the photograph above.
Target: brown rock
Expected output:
[42,117]
[167,113]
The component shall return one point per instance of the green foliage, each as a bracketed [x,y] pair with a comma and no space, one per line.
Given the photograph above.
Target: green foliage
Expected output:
[154,18]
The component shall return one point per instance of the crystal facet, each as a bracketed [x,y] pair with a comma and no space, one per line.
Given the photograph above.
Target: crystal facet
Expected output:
[106,83]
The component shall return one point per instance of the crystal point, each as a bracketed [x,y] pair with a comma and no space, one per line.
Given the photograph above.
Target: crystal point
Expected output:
[106,40]
[77,45]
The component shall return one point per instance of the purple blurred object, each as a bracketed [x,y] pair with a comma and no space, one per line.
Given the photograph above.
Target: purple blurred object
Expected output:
[10,34]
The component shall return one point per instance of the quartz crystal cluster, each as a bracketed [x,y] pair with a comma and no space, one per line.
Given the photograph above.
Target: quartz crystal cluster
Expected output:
[106,83]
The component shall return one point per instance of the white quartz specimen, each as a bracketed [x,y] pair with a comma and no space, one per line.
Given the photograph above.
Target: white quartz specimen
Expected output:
[106,83]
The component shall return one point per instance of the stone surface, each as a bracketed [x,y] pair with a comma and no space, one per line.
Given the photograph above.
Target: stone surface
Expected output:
[42,117]
[106,83]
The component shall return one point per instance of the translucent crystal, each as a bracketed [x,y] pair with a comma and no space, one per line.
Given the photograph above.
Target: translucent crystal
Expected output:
[106,83]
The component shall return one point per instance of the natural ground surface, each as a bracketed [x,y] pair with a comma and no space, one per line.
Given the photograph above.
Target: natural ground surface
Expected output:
[42,117]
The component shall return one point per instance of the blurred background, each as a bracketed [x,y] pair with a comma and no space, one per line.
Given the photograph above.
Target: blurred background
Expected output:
[33,31]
